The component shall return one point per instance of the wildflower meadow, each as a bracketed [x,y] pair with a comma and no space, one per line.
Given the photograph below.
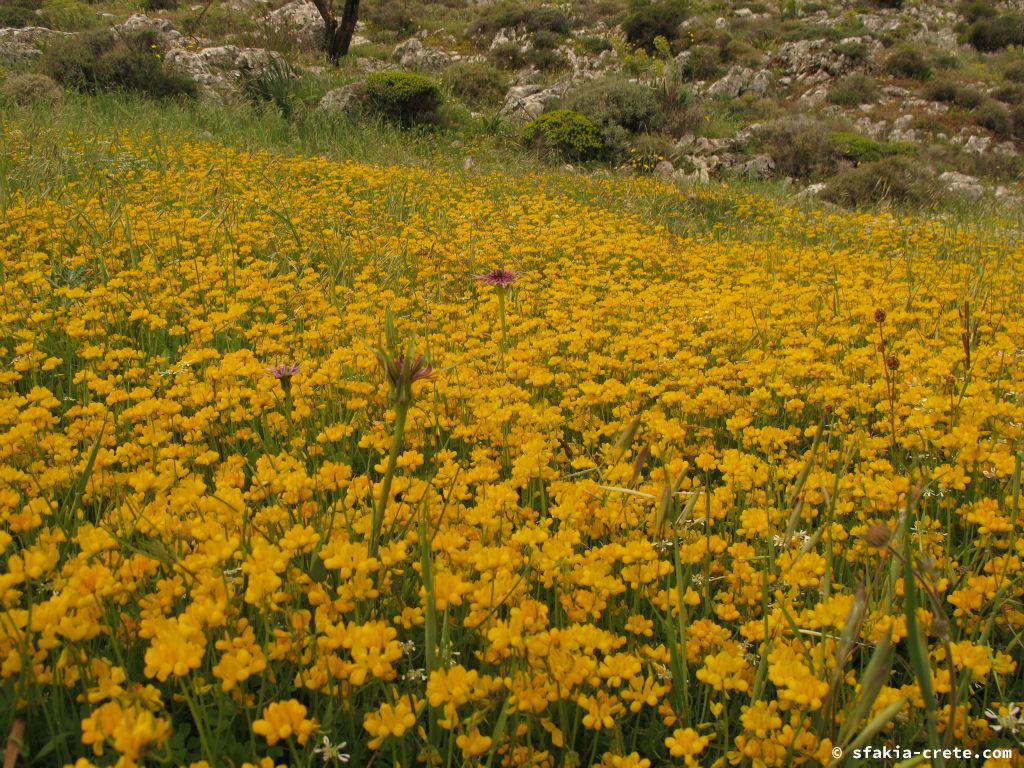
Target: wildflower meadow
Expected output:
[324,463]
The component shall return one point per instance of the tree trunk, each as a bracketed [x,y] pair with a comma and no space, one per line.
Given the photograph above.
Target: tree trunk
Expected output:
[338,36]
[347,28]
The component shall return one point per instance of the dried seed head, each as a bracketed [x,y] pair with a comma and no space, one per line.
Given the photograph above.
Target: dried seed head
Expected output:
[892,362]
[880,315]
[877,536]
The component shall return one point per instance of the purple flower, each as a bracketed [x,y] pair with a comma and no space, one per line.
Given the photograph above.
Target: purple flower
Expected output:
[402,372]
[499,278]
[283,372]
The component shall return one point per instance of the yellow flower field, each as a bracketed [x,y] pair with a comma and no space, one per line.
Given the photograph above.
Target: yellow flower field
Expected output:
[743,493]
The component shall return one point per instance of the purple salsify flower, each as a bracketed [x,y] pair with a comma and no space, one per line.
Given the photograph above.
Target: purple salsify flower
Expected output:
[283,372]
[499,278]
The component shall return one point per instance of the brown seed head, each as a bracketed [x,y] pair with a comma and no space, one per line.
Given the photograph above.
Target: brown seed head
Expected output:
[880,315]
[892,362]
[877,536]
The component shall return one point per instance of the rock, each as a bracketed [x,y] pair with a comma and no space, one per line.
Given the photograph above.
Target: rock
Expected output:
[976,145]
[803,59]
[664,170]
[218,70]
[302,21]
[20,46]
[414,55]
[741,80]
[529,101]
[962,184]
[469,163]
[164,31]
[811,190]
[759,168]
[344,100]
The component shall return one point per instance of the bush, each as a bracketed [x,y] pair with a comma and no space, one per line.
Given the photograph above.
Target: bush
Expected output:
[949,92]
[478,85]
[612,101]
[998,32]
[863,149]
[1011,93]
[531,19]
[595,45]
[893,179]
[907,61]
[569,134]
[392,17]
[854,89]
[800,148]
[973,10]
[702,63]
[274,85]
[996,117]
[660,18]
[29,88]
[1017,113]
[17,16]
[160,5]
[1014,72]
[545,59]
[104,61]
[403,97]
[506,56]
[854,50]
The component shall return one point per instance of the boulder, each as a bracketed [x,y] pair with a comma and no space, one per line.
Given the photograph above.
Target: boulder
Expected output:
[529,101]
[344,100]
[759,168]
[218,70]
[20,46]
[412,54]
[664,170]
[740,80]
[166,34]
[302,21]
[962,184]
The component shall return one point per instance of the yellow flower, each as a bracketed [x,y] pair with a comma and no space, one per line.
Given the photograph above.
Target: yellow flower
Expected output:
[284,719]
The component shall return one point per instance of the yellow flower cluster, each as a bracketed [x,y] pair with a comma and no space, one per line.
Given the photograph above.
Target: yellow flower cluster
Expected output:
[689,487]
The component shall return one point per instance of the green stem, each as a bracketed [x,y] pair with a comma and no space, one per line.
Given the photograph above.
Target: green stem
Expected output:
[504,324]
[401,411]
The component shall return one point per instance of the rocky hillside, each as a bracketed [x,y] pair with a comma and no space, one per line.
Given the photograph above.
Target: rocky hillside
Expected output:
[855,102]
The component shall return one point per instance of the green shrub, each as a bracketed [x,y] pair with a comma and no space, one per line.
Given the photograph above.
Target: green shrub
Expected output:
[998,32]
[996,117]
[595,45]
[646,22]
[29,88]
[612,101]
[703,63]
[892,179]
[800,147]
[854,89]
[863,149]
[854,50]
[566,133]
[403,97]
[478,85]
[950,92]
[17,16]
[907,61]
[506,56]
[274,85]
[512,14]
[1010,93]
[973,10]
[545,59]
[1017,113]
[391,17]
[1014,72]
[160,5]
[104,61]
